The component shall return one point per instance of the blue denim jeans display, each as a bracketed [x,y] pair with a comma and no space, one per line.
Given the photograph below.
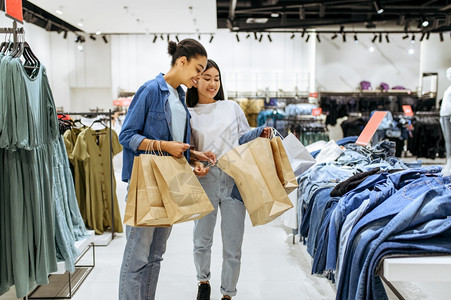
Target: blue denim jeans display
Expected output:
[218,187]
[399,210]
[390,205]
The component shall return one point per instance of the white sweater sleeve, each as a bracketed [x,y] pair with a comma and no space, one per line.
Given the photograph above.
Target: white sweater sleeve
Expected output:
[243,125]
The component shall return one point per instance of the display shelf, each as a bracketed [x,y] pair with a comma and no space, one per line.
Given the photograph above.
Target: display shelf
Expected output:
[81,246]
[103,239]
[63,284]
[432,268]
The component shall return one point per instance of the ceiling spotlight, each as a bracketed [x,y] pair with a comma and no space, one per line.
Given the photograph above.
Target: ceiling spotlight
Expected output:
[371,49]
[155,37]
[374,38]
[427,35]
[303,33]
[211,38]
[405,36]
[378,6]
[424,22]
[255,36]
[422,36]
[65,35]
[59,10]
[81,48]
[167,37]
[177,38]
[356,40]
[344,37]
[380,37]
[334,36]
[237,38]
[292,36]
[198,36]
[308,37]
[413,39]
[48,27]
[104,39]
[261,37]
[248,35]
[342,28]
[161,37]
[317,38]
[301,12]
[269,38]
[80,23]
[441,36]
[411,51]
[92,37]
[386,38]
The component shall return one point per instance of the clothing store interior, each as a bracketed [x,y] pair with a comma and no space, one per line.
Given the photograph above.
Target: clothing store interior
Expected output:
[199,149]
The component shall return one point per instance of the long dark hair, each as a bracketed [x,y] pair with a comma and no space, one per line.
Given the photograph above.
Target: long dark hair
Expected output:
[187,47]
[192,96]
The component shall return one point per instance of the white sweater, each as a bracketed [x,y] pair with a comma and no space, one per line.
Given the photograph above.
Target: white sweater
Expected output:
[217,126]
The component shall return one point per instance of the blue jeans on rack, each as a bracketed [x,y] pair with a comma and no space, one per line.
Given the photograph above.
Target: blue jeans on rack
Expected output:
[425,215]
[385,203]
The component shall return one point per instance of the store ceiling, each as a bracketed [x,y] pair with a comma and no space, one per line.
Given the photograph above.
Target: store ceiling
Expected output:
[285,15]
[131,16]
[205,16]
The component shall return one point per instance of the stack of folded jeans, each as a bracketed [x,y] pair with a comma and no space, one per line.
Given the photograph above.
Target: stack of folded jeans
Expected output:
[366,205]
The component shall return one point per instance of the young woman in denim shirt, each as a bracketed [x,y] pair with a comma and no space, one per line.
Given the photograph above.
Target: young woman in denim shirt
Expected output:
[158,113]
[218,126]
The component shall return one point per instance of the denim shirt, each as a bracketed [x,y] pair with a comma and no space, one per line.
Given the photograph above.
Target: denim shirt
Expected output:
[149,116]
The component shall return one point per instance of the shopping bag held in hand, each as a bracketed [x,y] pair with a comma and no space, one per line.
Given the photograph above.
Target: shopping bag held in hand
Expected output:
[183,196]
[252,167]
[283,166]
[299,157]
[145,206]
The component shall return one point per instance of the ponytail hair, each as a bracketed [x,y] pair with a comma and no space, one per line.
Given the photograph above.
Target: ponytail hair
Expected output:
[187,47]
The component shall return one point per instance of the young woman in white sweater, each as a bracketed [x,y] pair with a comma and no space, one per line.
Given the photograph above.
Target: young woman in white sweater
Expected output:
[218,125]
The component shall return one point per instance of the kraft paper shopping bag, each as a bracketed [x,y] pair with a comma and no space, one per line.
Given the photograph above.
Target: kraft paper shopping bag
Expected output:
[252,167]
[182,194]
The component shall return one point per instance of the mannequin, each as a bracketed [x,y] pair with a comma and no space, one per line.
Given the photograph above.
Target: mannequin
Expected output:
[445,122]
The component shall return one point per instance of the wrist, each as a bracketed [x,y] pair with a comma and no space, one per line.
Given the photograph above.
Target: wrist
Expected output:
[162,145]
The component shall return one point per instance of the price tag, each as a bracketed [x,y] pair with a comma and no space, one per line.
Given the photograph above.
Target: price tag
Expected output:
[370,128]
[14,10]
[407,110]
[317,111]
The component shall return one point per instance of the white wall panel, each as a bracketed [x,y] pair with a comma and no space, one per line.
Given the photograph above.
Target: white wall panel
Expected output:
[341,66]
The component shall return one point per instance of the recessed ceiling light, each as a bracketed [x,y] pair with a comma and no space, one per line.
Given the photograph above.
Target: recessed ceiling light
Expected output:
[59,11]
[256,20]
[98,32]
[274,15]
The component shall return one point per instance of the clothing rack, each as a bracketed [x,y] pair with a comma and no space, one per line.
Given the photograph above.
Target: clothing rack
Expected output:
[110,117]
[14,30]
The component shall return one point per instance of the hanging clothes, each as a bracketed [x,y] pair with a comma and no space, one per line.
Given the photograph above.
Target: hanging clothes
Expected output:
[70,226]
[28,128]
[91,157]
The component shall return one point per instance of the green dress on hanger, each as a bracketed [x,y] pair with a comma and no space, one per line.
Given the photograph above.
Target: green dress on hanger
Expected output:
[29,126]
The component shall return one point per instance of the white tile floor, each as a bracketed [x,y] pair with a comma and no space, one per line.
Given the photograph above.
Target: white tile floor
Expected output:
[272,268]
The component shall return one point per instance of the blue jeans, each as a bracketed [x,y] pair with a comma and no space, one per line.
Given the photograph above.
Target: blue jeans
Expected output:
[141,262]
[426,215]
[386,203]
[218,187]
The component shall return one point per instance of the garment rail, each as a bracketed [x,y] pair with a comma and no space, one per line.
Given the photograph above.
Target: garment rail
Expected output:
[110,117]
[14,30]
